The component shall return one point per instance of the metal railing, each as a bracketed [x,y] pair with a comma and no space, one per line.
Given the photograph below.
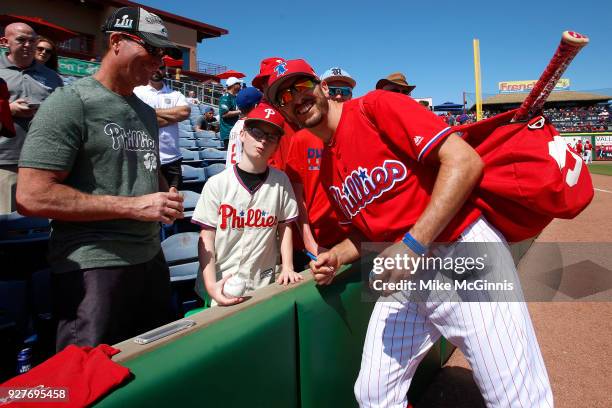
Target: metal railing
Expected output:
[210,68]
[205,93]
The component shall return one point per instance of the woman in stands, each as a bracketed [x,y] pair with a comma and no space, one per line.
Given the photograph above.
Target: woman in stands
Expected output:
[46,53]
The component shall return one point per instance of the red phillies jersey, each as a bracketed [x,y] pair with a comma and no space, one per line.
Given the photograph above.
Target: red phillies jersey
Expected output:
[302,167]
[374,169]
[279,158]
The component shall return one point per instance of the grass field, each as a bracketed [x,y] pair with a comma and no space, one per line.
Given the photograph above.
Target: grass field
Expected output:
[601,168]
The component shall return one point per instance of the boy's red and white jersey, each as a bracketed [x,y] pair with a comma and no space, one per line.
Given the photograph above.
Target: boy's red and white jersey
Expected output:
[375,171]
[246,222]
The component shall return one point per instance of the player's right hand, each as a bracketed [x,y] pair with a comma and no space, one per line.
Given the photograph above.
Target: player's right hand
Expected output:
[325,267]
[220,298]
[20,109]
[163,206]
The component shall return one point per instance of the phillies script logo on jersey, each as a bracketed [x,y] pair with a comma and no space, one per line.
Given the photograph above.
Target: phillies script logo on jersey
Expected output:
[252,218]
[362,187]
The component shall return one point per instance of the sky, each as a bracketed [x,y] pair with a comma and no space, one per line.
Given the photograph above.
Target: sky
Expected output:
[431,42]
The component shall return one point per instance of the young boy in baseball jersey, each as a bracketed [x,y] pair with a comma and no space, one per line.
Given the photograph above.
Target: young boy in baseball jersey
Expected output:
[242,209]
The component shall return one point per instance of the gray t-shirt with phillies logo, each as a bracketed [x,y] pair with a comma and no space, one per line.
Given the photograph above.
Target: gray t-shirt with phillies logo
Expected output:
[109,145]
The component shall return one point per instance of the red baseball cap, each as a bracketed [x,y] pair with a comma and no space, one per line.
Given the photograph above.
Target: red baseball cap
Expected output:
[266,113]
[265,69]
[284,70]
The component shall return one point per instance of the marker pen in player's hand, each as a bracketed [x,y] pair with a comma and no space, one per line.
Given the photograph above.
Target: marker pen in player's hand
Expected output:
[310,255]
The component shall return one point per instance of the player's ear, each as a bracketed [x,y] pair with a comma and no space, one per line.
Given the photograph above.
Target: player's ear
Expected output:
[325,88]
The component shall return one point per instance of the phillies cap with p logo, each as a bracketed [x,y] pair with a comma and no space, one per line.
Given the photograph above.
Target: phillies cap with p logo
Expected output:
[283,70]
[266,113]
[139,22]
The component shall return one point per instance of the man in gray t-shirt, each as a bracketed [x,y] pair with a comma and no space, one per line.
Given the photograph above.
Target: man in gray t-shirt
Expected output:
[94,170]
[29,83]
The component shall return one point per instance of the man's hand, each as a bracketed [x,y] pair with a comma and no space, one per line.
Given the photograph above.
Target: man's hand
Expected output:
[325,267]
[164,207]
[20,109]
[401,270]
[220,298]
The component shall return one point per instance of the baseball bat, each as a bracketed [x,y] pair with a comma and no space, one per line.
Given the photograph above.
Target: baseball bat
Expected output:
[571,43]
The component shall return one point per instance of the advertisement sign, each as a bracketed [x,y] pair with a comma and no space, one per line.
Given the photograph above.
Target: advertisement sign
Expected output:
[525,86]
[77,67]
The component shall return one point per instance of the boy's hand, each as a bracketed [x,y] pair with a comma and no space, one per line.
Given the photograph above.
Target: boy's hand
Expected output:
[220,298]
[287,276]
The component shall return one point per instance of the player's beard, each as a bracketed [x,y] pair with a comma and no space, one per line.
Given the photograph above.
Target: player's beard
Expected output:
[316,113]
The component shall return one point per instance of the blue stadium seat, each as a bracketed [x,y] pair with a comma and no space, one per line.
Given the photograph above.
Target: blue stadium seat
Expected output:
[206,134]
[187,143]
[190,200]
[15,228]
[210,156]
[193,174]
[190,155]
[185,134]
[213,169]
[216,144]
[181,253]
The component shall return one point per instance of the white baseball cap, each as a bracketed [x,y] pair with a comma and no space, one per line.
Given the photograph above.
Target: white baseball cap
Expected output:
[338,74]
[232,81]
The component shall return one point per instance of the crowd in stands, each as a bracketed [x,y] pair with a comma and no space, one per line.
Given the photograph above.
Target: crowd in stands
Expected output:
[594,118]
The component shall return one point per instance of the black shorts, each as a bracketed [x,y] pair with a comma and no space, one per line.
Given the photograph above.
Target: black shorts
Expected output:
[109,305]
[173,173]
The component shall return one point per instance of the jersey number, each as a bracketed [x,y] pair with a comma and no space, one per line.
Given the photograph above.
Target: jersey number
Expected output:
[558,150]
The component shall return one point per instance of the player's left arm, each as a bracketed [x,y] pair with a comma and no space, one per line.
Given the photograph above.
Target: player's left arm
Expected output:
[287,275]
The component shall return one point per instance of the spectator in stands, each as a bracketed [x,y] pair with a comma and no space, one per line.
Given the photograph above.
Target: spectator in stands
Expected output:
[207,121]
[28,84]
[228,111]
[395,82]
[170,108]
[46,53]
[192,99]
[94,170]
[241,210]
[246,100]
[340,84]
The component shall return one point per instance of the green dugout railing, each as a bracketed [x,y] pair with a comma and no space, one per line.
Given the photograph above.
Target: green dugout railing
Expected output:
[296,346]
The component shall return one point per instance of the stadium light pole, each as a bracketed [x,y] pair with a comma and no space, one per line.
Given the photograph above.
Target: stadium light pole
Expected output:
[477,79]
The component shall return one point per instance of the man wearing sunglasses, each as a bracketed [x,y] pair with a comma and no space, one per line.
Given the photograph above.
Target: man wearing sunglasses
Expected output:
[94,170]
[318,223]
[395,82]
[242,209]
[399,175]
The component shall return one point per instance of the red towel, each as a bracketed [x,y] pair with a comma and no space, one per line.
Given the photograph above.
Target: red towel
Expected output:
[87,373]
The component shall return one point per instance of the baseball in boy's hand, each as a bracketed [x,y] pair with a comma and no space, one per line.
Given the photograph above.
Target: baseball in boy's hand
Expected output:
[234,287]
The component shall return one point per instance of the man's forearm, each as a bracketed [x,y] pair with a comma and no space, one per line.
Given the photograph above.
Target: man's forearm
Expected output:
[169,116]
[348,250]
[230,114]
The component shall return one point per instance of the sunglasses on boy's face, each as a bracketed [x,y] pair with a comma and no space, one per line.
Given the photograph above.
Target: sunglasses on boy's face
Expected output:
[286,95]
[340,90]
[260,135]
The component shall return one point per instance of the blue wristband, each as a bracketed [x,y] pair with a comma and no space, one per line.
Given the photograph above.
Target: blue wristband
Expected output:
[414,245]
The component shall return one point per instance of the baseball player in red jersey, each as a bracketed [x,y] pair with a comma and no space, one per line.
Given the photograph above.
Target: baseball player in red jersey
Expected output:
[398,173]
[318,222]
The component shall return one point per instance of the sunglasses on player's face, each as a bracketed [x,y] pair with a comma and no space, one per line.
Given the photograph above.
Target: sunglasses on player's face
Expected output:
[340,90]
[260,135]
[151,50]
[286,95]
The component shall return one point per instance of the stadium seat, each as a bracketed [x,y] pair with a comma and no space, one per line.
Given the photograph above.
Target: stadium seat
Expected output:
[213,169]
[187,143]
[190,155]
[15,228]
[185,134]
[217,144]
[193,178]
[206,134]
[211,156]
[190,200]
